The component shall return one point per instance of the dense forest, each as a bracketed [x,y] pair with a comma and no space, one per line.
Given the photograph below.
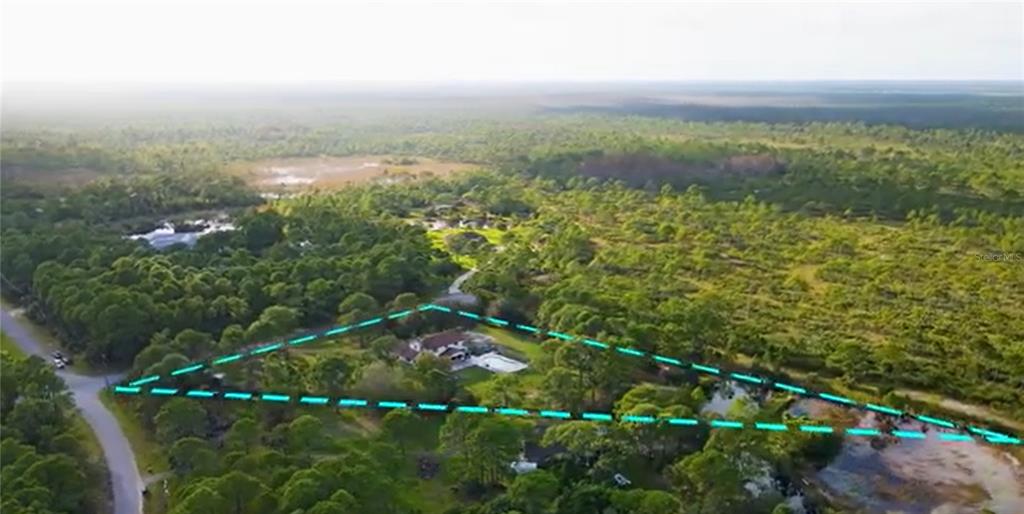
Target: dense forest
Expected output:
[45,465]
[881,259]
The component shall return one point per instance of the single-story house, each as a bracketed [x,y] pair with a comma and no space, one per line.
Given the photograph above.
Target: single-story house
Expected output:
[450,344]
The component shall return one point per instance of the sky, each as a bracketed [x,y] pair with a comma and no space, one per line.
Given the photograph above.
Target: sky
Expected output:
[300,41]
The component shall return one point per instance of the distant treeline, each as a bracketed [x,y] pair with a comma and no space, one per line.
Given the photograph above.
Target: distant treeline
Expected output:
[1001,117]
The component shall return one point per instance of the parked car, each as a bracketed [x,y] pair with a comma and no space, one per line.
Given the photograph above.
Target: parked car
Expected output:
[59,364]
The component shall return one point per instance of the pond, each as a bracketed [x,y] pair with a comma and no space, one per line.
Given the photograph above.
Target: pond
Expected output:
[186,233]
[904,476]
[926,476]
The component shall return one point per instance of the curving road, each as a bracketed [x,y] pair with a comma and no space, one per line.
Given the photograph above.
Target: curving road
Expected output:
[124,474]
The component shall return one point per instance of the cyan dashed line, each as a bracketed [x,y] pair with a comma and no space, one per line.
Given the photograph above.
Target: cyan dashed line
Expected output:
[989,435]
[555,414]
[302,340]
[629,351]
[352,402]
[908,434]
[267,349]
[336,331]
[869,432]
[790,388]
[719,423]
[566,415]
[935,421]
[690,422]
[816,429]
[432,407]
[638,419]
[746,378]
[226,359]
[885,410]
[706,369]
[188,369]
[146,380]
[667,360]
[837,399]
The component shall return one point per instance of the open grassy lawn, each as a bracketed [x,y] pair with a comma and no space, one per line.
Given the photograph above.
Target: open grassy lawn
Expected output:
[468,377]
[148,456]
[525,346]
[437,240]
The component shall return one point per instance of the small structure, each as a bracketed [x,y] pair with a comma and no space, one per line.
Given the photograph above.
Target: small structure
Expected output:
[450,344]
[535,456]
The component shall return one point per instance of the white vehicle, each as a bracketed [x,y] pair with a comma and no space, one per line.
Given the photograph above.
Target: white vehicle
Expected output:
[621,480]
[59,363]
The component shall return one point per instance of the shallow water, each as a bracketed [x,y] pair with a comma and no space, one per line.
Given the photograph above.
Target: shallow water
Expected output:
[167,235]
[926,476]
[723,398]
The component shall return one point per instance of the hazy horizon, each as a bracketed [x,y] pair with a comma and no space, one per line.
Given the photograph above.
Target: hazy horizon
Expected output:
[227,42]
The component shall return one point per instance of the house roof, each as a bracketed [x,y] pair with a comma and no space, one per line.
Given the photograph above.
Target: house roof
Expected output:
[406,352]
[442,339]
[450,351]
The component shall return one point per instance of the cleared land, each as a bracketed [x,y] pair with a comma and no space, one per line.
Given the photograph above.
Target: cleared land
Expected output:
[297,174]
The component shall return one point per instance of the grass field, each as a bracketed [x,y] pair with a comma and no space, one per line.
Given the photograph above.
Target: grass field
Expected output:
[437,241]
[526,347]
[473,375]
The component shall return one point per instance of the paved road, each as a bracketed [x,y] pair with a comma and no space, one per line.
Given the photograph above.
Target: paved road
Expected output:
[455,294]
[124,474]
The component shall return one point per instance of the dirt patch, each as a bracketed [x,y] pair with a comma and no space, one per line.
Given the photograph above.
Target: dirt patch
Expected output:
[295,174]
[69,178]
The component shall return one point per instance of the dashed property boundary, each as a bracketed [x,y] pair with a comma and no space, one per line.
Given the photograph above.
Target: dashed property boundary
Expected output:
[259,351]
[558,415]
